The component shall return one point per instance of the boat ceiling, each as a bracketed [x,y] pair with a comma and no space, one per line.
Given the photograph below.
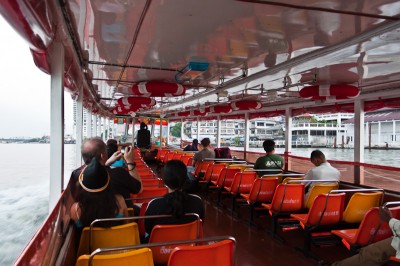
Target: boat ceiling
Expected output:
[271,49]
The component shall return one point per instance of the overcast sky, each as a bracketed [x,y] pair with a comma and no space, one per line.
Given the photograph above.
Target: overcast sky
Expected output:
[24,90]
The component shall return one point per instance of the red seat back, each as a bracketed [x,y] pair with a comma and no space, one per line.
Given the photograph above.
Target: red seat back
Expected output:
[326,209]
[243,182]
[288,198]
[263,189]
[226,177]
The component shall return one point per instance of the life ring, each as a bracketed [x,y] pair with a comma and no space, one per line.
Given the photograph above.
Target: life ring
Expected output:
[158,89]
[246,105]
[324,92]
[218,109]
[136,101]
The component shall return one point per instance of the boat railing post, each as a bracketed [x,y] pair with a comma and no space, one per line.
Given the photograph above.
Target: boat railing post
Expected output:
[359,129]
[79,129]
[56,123]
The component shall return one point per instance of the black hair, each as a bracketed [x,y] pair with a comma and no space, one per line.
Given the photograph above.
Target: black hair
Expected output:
[111,149]
[195,141]
[174,177]
[92,147]
[269,145]
[143,125]
[97,206]
[205,142]
[317,154]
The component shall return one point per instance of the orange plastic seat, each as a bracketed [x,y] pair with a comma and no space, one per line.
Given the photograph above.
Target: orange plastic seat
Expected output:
[241,184]
[319,188]
[139,257]
[153,182]
[288,199]
[186,159]
[121,235]
[326,210]
[261,191]
[161,155]
[359,204]
[165,233]
[177,156]
[371,230]
[220,253]
[201,169]
[169,156]
[148,193]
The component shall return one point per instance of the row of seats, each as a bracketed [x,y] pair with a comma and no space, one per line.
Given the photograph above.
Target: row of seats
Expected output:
[172,244]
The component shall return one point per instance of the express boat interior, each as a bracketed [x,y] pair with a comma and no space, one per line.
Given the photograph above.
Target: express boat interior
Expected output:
[218,60]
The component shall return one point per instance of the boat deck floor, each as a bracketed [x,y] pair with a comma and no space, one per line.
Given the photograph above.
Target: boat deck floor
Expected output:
[257,247]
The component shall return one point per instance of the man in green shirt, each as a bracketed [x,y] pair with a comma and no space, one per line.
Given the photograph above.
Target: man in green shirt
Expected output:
[270,161]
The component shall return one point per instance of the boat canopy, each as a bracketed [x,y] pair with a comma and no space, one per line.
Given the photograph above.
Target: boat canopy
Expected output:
[208,58]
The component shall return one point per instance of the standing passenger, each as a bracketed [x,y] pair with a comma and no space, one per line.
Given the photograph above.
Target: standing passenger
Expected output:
[269,161]
[143,137]
[177,202]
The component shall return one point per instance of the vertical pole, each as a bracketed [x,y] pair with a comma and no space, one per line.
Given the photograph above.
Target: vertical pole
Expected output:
[246,134]
[168,132]
[359,135]
[379,133]
[79,129]
[218,140]
[394,133]
[56,123]
[94,132]
[182,132]
[89,123]
[133,130]
[369,125]
[161,133]
[198,129]
[103,120]
[288,136]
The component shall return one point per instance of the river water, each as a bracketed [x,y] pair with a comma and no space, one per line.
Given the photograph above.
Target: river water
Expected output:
[24,187]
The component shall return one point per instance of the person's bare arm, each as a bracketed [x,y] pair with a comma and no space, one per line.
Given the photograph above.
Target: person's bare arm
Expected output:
[130,161]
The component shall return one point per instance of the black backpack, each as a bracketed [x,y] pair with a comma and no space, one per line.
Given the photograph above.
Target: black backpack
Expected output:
[224,153]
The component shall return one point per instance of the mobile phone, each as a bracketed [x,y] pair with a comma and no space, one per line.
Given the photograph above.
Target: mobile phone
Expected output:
[123,150]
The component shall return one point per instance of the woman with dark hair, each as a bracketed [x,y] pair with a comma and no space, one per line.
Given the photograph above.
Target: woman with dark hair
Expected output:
[96,200]
[176,202]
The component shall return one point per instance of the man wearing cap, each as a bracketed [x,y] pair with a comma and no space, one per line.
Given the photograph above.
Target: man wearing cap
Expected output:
[122,182]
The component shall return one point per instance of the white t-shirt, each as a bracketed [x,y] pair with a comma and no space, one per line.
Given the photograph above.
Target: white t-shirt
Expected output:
[324,171]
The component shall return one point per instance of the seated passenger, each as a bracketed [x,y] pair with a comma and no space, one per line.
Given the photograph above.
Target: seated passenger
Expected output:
[96,200]
[112,147]
[205,153]
[193,146]
[176,202]
[380,252]
[323,169]
[143,137]
[269,161]
[122,182]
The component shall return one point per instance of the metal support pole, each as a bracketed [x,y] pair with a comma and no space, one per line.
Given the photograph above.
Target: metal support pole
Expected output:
[168,132]
[56,123]
[288,136]
[160,132]
[198,129]
[218,140]
[359,135]
[246,134]
[89,124]
[79,129]
[94,132]
[133,130]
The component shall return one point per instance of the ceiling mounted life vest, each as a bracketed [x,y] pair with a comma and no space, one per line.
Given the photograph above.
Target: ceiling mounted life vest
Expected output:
[158,89]
[157,122]
[325,92]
